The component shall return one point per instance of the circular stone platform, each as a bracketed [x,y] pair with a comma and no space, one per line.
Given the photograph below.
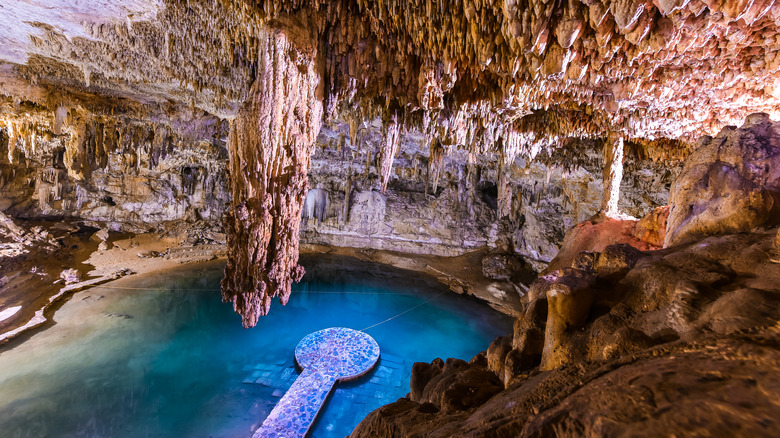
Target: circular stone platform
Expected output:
[343,353]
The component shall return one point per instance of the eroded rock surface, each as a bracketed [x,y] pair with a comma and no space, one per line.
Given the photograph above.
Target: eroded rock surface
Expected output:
[269,146]
[679,340]
[544,197]
[729,183]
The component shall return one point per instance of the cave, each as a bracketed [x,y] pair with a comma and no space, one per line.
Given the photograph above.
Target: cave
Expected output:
[553,217]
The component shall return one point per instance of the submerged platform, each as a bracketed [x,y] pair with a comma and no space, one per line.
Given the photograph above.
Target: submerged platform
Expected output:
[327,356]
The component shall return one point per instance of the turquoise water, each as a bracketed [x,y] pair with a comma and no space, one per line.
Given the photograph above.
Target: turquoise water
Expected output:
[162,356]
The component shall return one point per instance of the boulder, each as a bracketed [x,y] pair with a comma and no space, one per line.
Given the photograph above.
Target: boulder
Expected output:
[496,353]
[569,299]
[422,373]
[70,276]
[652,227]
[594,235]
[501,266]
[616,260]
[730,183]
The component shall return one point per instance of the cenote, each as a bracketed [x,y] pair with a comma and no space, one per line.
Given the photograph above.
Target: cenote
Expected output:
[160,355]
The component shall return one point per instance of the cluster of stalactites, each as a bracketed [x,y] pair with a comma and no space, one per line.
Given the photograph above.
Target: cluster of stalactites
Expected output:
[87,139]
[269,147]
[651,68]
[390,146]
[657,68]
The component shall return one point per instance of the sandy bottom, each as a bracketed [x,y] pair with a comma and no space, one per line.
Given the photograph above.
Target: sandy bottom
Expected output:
[34,297]
[35,291]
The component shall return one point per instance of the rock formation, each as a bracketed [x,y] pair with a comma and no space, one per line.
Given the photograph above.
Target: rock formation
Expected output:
[610,327]
[529,132]
[269,146]
[599,347]
[505,80]
[730,183]
[120,170]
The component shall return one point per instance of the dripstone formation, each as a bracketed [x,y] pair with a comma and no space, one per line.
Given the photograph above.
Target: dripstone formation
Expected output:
[269,147]
[520,80]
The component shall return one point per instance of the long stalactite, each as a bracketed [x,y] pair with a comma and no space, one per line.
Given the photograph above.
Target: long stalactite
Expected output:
[270,144]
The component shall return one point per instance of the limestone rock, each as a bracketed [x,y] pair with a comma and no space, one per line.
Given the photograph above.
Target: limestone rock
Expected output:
[594,236]
[616,260]
[730,183]
[569,299]
[70,276]
[422,373]
[496,353]
[501,266]
[701,315]
[270,143]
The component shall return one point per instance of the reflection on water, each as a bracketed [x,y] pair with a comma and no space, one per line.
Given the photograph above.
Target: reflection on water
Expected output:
[160,356]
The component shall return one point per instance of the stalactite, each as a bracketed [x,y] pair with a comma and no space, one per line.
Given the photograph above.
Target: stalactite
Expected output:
[270,143]
[347,196]
[613,174]
[435,163]
[505,191]
[389,149]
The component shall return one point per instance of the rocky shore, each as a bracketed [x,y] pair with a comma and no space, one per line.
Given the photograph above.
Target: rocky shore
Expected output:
[43,263]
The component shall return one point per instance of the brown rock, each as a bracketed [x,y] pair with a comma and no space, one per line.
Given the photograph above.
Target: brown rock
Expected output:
[652,227]
[594,235]
[496,353]
[422,373]
[568,30]
[501,266]
[729,184]
[627,13]
[569,300]
[585,261]
[616,260]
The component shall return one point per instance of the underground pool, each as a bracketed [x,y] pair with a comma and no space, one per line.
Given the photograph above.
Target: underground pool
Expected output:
[160,355]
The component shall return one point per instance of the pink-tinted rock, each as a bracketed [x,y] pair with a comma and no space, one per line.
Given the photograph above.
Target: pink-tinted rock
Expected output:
[652,227]
[594,235]
[269,147]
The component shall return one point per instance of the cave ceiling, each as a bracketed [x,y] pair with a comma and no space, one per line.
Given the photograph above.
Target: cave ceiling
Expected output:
[523,75]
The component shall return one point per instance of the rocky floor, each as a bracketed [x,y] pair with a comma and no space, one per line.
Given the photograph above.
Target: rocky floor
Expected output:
[684,339]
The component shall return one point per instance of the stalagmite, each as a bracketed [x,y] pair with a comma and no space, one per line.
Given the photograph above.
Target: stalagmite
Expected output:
[504,187]
[347,196]
[269,147]
[504,193]
[613,174]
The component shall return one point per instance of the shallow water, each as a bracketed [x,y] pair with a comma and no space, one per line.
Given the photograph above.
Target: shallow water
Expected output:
[161,356]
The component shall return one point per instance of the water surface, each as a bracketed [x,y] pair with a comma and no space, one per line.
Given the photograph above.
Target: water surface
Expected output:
[160,355]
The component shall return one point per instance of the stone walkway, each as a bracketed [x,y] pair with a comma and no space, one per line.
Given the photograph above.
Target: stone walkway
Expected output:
[387,383]
[328,356]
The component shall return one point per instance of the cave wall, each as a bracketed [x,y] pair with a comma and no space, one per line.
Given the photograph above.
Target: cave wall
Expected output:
[133,174]
[546,196]
[617,340]
[123,172]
